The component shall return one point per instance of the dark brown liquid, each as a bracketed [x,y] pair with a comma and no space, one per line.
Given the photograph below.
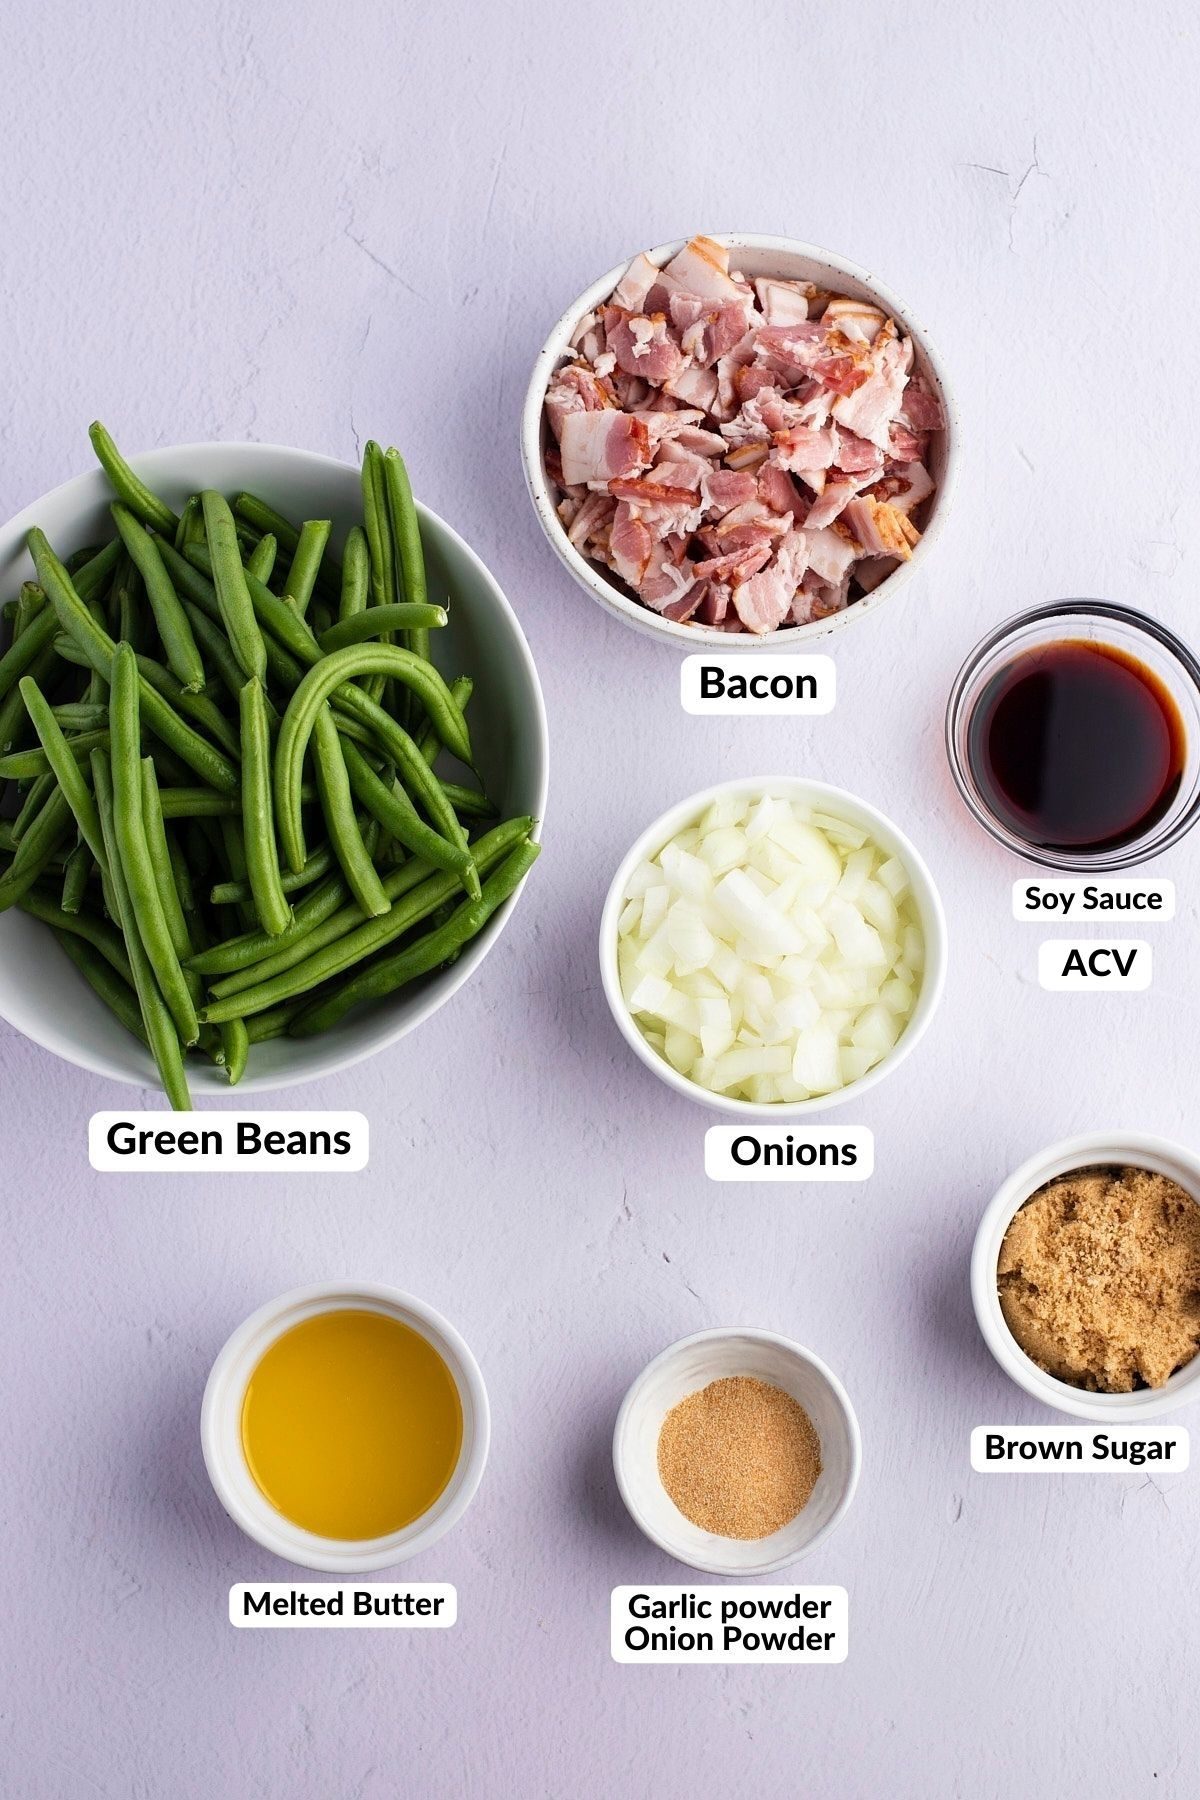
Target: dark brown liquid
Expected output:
[1076,746]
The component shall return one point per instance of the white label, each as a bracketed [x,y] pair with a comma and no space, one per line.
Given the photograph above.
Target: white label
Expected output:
[318,1605]
[757,684]
[1076,1450]
[187,1143]
[777,1153]
[1079,965]
[1099,901]
[729,1624]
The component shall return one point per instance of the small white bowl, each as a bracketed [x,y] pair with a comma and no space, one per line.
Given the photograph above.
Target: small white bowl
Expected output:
[754,255]
[1124,1148]
[841,804]
[42,994]
[691,1364]
[221,1430]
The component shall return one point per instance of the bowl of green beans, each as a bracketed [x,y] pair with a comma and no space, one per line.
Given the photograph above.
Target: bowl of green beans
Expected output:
[273,757]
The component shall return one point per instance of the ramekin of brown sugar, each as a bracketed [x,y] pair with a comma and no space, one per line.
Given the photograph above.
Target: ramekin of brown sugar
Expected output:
[1089,1301]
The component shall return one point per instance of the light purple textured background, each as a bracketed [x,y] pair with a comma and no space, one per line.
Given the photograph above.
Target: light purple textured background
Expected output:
[312,224]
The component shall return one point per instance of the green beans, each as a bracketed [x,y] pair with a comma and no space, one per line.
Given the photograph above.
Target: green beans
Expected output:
[116,994]
[142,503]
[229,580]
[306,703]
[406,539]
[261,560]
[376,621]
[225,802]
[333,784]
[306,562]
[98,647]
[428,953]
[375,524]
[76,877]
[183,658]
[258,819]
[67,772]
[25,765]
[397,814]
[157,1022]
[356,574]
[366,940]
[144,910]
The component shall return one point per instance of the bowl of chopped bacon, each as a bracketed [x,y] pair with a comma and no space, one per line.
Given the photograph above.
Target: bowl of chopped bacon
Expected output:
[739,436]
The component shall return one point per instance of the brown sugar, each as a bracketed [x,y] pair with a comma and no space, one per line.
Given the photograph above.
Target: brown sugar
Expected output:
[1099,1278]
[739,1457]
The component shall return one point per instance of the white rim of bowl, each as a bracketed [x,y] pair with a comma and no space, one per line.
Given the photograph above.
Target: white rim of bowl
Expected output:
[652,624]
[674,820]
[143,462]
[792,1348]
[336,1555]
[1094,1149]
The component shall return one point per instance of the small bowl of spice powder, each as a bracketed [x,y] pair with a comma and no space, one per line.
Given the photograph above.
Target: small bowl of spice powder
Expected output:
[1086,1277]
[736,1451]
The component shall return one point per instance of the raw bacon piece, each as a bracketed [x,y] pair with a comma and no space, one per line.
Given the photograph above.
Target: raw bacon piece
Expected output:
[642,346]
[723,489]
[879,529]
[702,268]
[598,445]
[765,601]
[630,545]
[630,292]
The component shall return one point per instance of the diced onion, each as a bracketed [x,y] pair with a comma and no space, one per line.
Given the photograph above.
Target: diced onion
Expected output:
[770,953]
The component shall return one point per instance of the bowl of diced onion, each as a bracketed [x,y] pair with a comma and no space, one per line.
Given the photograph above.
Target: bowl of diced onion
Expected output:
[772,946]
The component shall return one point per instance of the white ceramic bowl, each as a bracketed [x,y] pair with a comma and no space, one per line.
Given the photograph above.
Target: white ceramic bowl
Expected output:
[691,1364]
[42,994]
[1127,1148]
[840,804]
[754,255]
[221,1430]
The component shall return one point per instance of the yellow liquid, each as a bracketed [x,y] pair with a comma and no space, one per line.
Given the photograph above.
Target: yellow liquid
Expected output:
[351,1424]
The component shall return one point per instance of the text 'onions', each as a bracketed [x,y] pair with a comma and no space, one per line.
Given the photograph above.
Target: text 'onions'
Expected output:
[770,952]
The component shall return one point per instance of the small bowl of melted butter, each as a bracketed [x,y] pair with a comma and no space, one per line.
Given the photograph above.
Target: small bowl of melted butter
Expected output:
[345,1427]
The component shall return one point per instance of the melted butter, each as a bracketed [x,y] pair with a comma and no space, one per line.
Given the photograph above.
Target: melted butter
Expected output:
[351,1424]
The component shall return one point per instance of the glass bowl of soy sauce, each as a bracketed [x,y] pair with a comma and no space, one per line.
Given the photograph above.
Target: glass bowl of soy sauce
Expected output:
[1073,732]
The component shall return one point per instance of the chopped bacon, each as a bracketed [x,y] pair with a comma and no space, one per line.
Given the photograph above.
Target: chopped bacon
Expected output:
[630,292]
[777,490]
[736,566]
[855,455]
[914,484]
[723,489]
[803,449]
[743,454]
[922,411]
[641,345]
[855,319]
[702,268]
[630,487]
[765,601]
[598,445]
[693,385]
[630,545]
[870,409]
[830,553]
[879,529]
[784,302]
[593,517]
[576,388]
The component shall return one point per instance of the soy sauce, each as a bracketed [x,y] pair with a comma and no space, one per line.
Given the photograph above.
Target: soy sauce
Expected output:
[1076,746]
